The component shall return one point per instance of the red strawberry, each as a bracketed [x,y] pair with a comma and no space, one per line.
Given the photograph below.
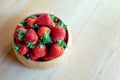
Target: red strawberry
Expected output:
[43,30]
[55,51]
[23,49]
[45,20]
[19,33]
[39,51]
[57,33]
[31,36]
[30,21]
[32,57]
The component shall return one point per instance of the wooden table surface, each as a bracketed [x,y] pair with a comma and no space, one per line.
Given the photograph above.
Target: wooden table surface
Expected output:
[95,29]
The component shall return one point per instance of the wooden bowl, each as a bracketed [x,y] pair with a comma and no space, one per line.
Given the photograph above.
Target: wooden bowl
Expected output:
[45,64]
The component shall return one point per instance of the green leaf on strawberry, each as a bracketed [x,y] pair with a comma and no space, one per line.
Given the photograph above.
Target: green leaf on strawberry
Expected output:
[30,44]
[31,16]
[61,24]
[62,43]
[16,47]
[21,34]
[46,38]
[23,22]
[54,18]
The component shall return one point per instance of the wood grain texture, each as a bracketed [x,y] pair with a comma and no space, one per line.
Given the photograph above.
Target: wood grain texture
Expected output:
[95,29]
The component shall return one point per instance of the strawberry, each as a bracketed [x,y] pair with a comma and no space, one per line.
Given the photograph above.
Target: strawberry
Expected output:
[19,33]
[44,35]
[30,21]
[39,51]
[57,49]
[43,30]
[31,36]
[32,57]
[45,20]
[57,33]
[23,49]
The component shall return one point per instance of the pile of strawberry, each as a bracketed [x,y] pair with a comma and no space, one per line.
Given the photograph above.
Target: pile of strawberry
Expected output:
[41,37]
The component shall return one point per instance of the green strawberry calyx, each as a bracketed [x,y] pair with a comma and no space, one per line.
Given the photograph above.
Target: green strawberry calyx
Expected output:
[21,34]
[31,16]
[44,40]
[61,24]
[61,43]
[54,18]
[30,44]
[16,47]
[23,22]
